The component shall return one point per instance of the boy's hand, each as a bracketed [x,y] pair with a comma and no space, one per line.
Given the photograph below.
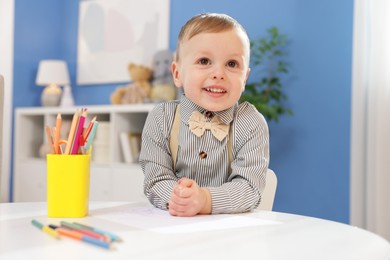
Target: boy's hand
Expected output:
[188,199]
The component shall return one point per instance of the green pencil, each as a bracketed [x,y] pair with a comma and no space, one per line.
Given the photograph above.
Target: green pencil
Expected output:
[46,229]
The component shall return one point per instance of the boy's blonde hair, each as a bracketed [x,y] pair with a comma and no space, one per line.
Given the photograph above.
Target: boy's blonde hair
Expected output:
[208,23]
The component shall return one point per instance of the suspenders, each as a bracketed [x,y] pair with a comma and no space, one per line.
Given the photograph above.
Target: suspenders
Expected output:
[174,139]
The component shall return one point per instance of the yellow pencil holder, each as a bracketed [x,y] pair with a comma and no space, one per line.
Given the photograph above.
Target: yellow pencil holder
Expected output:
[68,185]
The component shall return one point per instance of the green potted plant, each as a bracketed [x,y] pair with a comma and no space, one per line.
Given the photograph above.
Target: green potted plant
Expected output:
[268,65]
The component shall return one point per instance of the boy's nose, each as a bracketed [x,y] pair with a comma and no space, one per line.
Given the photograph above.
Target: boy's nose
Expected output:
[218,73]
[218,77]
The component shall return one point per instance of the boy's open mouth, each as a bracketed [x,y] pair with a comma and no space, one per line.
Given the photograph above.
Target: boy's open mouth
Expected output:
[215,90]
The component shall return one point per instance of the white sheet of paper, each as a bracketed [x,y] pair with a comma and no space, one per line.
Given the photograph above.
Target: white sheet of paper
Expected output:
[156,220]
[227,222]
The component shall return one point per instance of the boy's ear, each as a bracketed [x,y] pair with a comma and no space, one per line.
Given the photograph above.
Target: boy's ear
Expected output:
[246,78]
[175,75]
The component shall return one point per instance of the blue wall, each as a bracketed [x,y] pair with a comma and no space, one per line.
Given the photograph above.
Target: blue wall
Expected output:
[309,151]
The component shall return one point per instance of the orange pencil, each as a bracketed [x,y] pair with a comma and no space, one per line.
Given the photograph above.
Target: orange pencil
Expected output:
[80,236]
[89,128]
[57,134]
[86,232]
[50,139]
[72,131]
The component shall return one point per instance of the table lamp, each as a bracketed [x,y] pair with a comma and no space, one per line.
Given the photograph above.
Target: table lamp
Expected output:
[52,74]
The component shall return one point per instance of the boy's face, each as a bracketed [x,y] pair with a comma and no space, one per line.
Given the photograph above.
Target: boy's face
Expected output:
[213,69]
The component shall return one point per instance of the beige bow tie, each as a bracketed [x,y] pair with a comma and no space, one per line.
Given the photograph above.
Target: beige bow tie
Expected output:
[198,124]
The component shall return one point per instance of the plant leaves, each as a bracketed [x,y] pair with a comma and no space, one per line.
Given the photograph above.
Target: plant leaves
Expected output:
[268,56]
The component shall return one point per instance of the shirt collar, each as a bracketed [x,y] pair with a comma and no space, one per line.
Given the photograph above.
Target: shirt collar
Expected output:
[187,107]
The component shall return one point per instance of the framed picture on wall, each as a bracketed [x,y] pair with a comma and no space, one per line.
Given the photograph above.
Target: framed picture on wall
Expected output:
[114,33]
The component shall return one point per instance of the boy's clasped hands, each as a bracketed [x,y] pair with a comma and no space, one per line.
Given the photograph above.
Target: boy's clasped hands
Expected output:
[188,199]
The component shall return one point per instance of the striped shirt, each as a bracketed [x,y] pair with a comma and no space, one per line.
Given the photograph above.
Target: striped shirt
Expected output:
[205,159]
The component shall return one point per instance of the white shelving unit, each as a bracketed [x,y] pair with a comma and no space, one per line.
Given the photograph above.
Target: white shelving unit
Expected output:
[112,180]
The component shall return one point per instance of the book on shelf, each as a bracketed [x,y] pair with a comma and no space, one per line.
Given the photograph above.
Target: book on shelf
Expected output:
[131,146]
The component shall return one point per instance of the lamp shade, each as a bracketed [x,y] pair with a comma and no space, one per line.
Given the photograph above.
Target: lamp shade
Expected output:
[52,72]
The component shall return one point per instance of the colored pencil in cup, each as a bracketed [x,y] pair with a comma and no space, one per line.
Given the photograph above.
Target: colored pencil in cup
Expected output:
[91,136]
[57,134]
[78,132]
[50,138]
[72,133]
[89,128]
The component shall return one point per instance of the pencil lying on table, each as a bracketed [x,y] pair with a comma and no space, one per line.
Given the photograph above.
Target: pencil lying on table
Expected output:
[109,234]
[82,237]
[46,229]
[86,232]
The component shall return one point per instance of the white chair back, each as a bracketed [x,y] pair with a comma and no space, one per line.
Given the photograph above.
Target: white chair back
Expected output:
[268,196]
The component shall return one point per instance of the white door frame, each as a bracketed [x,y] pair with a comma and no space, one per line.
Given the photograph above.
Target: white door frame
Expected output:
[7,10]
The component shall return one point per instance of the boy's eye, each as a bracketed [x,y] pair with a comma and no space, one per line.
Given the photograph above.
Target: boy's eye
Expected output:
[204,61]
[232,64]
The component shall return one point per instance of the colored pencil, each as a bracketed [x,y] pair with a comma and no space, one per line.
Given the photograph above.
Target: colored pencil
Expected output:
[79,236]
[85,231]
[79,131]
[97,230]
[89,128]
[72,132]
[91,136]
[57,134]
[50,138]
[46,229]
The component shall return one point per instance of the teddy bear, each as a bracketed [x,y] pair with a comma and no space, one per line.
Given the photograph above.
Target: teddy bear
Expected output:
[138,91]
[163,88]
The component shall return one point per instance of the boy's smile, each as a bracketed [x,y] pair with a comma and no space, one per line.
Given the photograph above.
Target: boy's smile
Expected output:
[213,68]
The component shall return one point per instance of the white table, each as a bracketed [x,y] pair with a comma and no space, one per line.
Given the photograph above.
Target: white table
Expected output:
[149,233]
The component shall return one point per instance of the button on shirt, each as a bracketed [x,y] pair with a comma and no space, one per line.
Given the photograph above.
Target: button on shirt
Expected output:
[208,114]
[205,159]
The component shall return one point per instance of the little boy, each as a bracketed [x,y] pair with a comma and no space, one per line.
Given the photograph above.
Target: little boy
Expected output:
[212,66]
